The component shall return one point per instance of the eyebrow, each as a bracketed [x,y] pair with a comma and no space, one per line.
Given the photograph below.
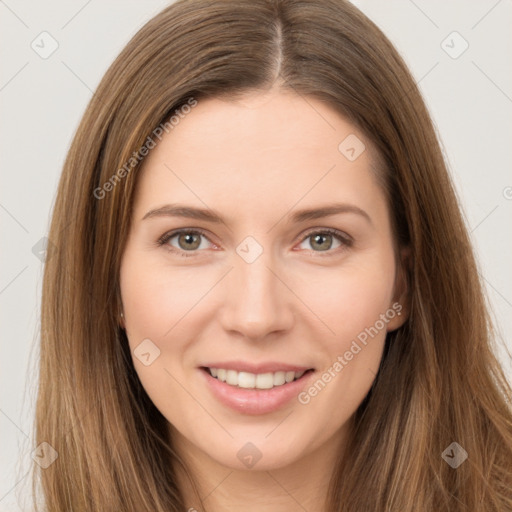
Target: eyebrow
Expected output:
[208,215]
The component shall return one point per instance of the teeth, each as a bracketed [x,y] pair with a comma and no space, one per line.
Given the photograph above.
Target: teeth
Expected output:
[254,381]
[265,381]
[279,378]
[289,376]
[232,377]
[245,380]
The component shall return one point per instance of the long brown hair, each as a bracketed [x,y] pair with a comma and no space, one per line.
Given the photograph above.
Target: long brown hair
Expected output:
[439,381]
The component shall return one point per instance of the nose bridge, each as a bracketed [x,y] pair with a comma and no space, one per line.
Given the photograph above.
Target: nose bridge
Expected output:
[256,303]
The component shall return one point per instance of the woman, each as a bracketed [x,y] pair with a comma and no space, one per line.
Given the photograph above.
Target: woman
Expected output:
[263,294]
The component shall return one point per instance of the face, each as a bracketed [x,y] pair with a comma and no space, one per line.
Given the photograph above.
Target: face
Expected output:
[260,253]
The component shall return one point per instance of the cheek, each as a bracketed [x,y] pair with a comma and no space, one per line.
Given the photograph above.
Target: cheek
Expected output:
[155,301]
[356,305]
[155,298]
[353,298]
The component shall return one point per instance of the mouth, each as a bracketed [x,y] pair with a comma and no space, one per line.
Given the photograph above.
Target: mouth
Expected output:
[259,392]
[248,380]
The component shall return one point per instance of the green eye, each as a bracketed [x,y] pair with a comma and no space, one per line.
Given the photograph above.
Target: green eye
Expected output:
[322,240]
[189,241]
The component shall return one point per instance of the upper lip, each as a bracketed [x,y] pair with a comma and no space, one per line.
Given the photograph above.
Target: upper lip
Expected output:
[267,367]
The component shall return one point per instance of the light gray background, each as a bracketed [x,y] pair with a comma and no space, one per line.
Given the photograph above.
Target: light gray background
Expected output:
[42,100]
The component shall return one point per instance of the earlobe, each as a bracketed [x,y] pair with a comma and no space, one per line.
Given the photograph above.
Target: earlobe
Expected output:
[121,320]
[401,298]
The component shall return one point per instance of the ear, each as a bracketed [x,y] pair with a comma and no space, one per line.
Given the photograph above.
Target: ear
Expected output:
[120,319]
[401,297]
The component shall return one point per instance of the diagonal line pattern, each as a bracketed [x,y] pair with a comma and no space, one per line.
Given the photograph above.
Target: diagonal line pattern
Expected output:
[218,485]
[15,485]
[76,14]
[13,13]
[424,13]
[422,78]
[77,77]
[94,93]
[427,73]
[14,218]
[13,279]
[304,98]
[280,423]
[491,80]
[13,423]
[485,15]
[14,76]
[300,199]
[500,294]
[302,301]
[199,403]
[286,490]
[485,218]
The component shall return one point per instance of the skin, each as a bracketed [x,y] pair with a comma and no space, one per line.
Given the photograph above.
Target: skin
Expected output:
[255,162]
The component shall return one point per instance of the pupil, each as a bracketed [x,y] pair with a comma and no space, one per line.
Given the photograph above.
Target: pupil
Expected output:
[189,240]
[318,238]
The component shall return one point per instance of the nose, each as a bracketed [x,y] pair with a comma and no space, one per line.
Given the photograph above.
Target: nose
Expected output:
[258,302]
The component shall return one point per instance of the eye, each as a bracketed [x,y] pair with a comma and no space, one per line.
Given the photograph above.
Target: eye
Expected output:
[322,240]
[187,240]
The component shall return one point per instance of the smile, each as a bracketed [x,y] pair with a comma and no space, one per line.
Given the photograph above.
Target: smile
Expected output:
[249,380]
[265,389]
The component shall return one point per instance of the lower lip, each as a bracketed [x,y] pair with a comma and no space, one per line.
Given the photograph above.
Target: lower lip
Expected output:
[255,401]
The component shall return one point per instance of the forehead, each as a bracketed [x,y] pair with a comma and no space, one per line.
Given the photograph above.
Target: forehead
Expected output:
[266,122]
[264,151]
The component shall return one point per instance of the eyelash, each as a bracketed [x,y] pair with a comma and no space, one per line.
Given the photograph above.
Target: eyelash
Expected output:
[345,240]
